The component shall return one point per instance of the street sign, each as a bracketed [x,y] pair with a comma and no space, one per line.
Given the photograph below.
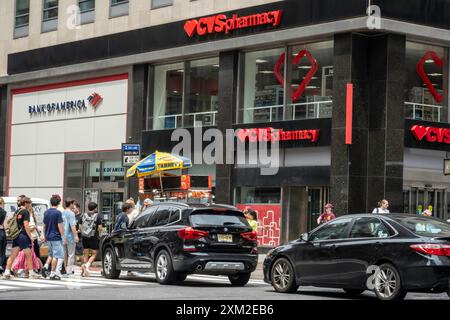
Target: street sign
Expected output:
[446,167]
[131,154]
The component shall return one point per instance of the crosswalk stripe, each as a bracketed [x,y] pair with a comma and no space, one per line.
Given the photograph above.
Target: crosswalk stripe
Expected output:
[22,283]
[61,283]
[104,281]
[5,287]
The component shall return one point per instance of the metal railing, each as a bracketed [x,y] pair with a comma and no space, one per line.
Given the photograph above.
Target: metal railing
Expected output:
[300,111]
[174,121]
[420,111]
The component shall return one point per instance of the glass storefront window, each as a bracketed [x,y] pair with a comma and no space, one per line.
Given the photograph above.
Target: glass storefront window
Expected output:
[421,103]
[74,174]
[316,100]
[168,96]
[309,80]
[258,195]
[263,93]
[203,92]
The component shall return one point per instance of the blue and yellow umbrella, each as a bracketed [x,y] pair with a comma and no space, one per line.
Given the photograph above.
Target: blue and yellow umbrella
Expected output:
[158,162]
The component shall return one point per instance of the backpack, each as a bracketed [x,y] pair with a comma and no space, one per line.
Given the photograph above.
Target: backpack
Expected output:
[12,227]
[88,225]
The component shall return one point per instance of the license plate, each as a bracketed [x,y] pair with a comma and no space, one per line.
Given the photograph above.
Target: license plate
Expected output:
[225,237]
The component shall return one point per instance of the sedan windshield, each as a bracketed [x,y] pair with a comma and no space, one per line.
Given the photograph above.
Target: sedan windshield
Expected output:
[424,226]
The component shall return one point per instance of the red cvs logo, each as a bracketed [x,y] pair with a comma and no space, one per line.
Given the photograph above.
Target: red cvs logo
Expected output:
[222,24]
[431,134]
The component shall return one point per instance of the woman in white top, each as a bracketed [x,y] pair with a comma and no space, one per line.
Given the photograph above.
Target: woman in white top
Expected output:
[382,207]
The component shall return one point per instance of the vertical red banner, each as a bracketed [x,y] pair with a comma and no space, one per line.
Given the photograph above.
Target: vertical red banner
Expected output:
[268,223]
[349,114]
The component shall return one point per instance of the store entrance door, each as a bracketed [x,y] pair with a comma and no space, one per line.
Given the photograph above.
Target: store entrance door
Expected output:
[110,206]
[416,199]
[317,198]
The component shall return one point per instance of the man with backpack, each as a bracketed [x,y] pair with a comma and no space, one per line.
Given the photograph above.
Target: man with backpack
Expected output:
[90,225]
[54,235]
[18,230]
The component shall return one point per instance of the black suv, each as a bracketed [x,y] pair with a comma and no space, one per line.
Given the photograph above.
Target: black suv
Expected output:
[176,239]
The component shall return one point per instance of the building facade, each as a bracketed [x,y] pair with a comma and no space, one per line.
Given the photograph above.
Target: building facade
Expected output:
[253,67]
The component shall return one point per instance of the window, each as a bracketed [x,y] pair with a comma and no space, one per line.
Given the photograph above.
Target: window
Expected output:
[425,226]
[185,93]
[161,217]
[143,220]
[87,11]
[264,195]
[50,15]
[331,231]
[118,8]
[370,228]
[168,96]
[22,18]
[161,3]
[263,93]
[203,92]
[175,215]
[264,83]
[211,218]
[421,101]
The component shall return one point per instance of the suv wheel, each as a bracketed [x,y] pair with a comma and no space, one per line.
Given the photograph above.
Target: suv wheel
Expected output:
[283,277]
[240,279]
[164,269]
[388,284]
[110,270]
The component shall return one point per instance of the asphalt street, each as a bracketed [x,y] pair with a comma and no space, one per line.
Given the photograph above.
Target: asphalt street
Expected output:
[144,286]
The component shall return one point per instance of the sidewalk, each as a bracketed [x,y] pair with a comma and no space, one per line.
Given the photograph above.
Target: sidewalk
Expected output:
[257,274]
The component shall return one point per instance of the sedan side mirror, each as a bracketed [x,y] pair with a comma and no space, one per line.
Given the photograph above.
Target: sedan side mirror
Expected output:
[305,237]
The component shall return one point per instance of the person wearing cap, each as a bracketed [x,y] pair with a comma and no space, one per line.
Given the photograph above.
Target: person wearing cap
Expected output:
[327,216]
[147,203]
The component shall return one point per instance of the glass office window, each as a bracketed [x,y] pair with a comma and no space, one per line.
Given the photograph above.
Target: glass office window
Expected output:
[258,195]
[203,92]
[168,96]
[118,8]
[426,101]
[22,18]
[49,15]
[87,11]
[316,99]
[263,92]
[161,3]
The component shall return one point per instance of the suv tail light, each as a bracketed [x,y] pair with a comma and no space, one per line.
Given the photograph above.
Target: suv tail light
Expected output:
[190,233]
[432,249]
[250,236]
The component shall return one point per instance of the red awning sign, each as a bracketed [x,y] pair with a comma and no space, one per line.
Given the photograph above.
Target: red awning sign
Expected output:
[271,134]
[431,134]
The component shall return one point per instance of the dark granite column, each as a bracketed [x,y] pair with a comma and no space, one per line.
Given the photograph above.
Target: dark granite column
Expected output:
[3,141]
[387,120]
[138,88]
[372,167]
[226,116]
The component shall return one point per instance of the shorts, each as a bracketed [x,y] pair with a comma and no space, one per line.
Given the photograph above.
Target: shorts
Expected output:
[23,241]
[91,243]
[56,249]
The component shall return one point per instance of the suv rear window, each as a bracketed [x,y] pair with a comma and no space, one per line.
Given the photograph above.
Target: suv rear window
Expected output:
[425,226]
[203,218]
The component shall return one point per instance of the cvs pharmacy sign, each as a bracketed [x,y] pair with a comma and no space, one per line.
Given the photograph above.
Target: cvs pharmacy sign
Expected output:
[222,24]
[431,134]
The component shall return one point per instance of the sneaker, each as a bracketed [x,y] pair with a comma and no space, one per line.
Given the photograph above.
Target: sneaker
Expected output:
[45,273]
[55,277]
[7,277]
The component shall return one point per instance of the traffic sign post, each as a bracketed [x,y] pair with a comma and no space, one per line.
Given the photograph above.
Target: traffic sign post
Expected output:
[131,154]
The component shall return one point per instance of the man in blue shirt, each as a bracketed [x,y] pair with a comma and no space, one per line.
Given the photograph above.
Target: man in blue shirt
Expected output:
[54,235]
[69,224]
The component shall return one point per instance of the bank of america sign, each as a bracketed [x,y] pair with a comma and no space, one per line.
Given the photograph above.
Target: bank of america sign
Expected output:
[66,106]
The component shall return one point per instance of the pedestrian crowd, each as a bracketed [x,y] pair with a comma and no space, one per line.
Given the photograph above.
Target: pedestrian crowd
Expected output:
[67,232]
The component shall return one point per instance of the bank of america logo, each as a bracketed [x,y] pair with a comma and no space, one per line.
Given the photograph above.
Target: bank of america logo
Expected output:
[95,99]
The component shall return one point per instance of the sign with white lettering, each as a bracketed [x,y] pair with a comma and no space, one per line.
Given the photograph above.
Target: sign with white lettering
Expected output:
[131,154]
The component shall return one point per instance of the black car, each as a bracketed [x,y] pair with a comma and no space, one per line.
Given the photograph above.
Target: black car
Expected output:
[390,254]
[176,239]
